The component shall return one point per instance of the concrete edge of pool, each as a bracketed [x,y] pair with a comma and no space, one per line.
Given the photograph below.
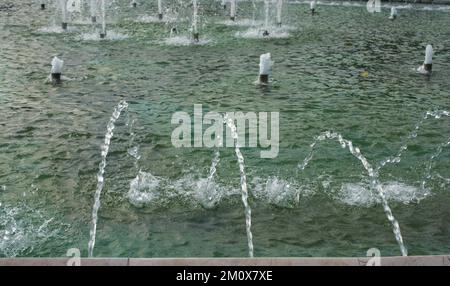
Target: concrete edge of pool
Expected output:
[433,260]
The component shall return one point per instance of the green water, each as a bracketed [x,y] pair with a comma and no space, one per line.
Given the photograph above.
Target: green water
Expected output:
[50,136]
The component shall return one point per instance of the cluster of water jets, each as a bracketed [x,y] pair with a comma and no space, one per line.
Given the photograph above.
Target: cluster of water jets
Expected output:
[372,172]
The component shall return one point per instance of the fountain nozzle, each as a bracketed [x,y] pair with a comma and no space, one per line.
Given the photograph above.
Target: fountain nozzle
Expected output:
[64,26]
[266,33]
[102,35]
[427,66]
[196,37]
[134,4]
[56,78]
[394,13]
[160,16]
[56,71]
[94,19]
[265,62]
[233,18]
[313,7]
[43,6]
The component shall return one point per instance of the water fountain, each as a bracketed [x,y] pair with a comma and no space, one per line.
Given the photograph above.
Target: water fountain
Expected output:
[195,33]
[233,10]
[56,71]
[103,8]
[265,63]
[248,211]
[63,6]
[427,66]
[394,13]
[93,10]
[123,105]
[279,12]
[266,20]
[373,175]
[160,13]
[313,6]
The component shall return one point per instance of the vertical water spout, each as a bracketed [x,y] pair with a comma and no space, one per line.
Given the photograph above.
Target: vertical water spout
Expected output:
[195,33]
[93,9]
[63,4]
[279,11]
[100,180]
[248,211]
[427,66]
[233,10]
[265,63]
[103,8]
[160,10]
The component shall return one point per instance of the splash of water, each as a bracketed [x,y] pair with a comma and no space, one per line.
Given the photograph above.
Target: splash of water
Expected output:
[160,7]
[430,162]
[103,7]
[100,180]
[63,5]
[355,151]
[266,12]
[195,17]
[248,211]
[413,134]
[279,11]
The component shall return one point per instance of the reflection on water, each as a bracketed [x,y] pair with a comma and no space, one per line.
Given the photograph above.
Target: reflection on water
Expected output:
[341,71]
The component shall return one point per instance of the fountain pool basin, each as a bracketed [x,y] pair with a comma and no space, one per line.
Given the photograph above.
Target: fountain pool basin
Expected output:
[341,70]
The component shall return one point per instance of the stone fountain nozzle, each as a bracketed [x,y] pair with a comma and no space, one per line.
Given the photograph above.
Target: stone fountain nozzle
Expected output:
[160,16]
[64,25]
[266,33]
[102,35]
[134,4]
[313,7]
[427,66]
[394,13]
[196,37]
[56,71]
[265,63]
[42,6]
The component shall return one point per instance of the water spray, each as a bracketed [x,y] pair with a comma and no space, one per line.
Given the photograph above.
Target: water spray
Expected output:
[265,63]
[103,32]
[94,11]
[394,13]
[279,11]
[266,22]
[195,33]
[427,66]
[233,10]
[56,71]
[313,6]
[160,13]
[63,4]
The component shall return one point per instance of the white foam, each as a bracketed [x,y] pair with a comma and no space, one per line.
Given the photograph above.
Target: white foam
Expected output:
[184,41]
[148,189]
[110,35]
[257,33]
[241,23]
[278,191]
[57,30]
[155,19]
[359,194]
[22,229]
